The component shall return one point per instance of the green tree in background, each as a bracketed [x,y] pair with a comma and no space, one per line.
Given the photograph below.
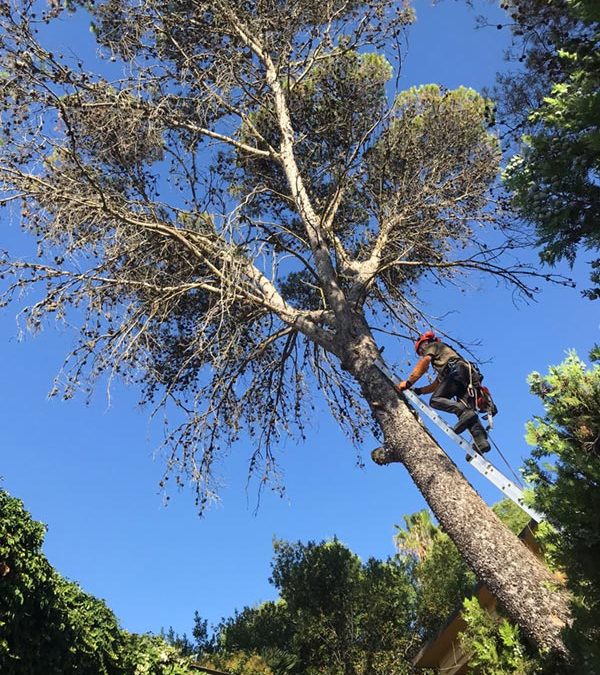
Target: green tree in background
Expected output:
[265,628]
[555,179]
[440,576]
[511,515]
[239,663]
[335,615]
[338,615]
[565,473]
[49,626]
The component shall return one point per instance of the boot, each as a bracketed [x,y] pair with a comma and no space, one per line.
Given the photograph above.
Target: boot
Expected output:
[466,419]
[481,443]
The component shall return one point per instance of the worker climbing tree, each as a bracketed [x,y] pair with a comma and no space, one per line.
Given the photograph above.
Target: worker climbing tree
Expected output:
[455,389]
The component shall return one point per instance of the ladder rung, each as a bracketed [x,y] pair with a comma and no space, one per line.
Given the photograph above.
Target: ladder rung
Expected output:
[485,468]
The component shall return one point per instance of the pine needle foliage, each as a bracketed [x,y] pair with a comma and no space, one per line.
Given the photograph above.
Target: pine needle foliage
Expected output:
[554,106]
[223,193]
[565,473]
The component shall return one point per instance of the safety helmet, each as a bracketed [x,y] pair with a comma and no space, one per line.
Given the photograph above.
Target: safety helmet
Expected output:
[429,336]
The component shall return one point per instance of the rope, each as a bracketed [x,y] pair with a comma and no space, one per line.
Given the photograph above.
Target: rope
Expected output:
[471,394]
[519,481]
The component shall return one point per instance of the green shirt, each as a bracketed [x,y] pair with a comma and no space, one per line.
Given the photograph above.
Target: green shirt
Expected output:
[440,354]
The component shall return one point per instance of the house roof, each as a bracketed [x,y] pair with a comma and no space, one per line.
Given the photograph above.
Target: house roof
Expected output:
[443,650]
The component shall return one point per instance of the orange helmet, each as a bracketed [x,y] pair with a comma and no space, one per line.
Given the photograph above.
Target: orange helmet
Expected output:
[429,336]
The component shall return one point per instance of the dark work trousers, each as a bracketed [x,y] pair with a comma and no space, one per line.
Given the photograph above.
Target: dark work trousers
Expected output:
[450,390]
[453,386]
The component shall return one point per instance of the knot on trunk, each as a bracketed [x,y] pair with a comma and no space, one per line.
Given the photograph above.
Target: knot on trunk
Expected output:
[382,456]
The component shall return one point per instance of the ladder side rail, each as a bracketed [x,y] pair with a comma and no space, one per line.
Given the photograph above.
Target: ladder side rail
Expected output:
[440,422]
[487,470]
[512,491]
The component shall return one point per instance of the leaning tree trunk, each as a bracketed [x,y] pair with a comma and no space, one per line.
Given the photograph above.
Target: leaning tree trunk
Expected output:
[520,582]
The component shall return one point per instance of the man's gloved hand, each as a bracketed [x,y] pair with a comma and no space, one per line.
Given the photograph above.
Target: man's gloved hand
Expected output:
[405,384]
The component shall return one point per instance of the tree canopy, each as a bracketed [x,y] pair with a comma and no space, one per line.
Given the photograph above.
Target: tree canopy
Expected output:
[555,106]
[564,471]
[440,576]
[334,613]
[224,192]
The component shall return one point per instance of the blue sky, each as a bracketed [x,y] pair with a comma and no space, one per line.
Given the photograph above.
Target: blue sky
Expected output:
[88,470]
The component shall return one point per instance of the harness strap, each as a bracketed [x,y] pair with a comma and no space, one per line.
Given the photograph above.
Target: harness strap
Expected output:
[471,388]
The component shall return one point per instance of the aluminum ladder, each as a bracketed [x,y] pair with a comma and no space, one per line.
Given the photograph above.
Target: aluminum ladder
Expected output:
[512,491]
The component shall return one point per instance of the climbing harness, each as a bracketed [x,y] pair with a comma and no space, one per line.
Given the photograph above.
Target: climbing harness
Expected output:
[480,397]
[487,470]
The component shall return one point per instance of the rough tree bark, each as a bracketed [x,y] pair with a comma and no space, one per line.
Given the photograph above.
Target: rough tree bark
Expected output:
[524,587]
